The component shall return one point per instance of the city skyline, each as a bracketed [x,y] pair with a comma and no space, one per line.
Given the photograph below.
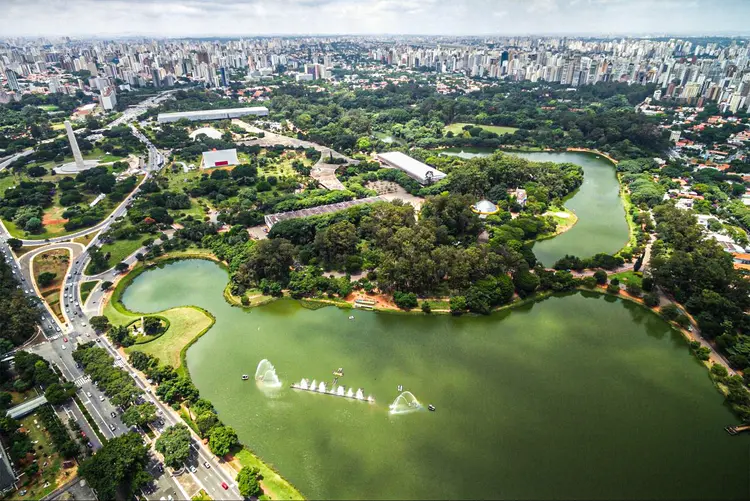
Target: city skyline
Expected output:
[181,18]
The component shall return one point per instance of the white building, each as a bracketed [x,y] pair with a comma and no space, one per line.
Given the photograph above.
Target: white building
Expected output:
[109,98]
[219,158]
[417,170]
[200,116]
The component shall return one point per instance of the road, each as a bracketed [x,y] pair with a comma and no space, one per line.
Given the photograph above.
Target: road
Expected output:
[61,338]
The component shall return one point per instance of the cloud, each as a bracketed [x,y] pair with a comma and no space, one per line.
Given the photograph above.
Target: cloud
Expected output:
[181,18]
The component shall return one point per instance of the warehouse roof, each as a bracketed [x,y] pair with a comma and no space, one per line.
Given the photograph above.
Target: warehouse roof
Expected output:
[413,167]
[219,158]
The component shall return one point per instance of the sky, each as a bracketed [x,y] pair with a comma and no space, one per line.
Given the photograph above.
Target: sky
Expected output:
[180,18]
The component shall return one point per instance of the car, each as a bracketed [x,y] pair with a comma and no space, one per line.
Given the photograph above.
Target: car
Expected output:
[63,347]
[101,398]
[88,394]
[83,433]
[193,469]
[225,486]
[84,324]
[89,445]
[65,340]
[208,466]
[112,427]
[113,414]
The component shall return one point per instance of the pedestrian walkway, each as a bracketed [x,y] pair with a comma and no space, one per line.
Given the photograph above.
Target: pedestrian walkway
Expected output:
[80,381]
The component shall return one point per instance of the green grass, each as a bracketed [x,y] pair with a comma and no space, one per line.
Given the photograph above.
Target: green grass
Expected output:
[457,128]
[119,250]
[629,277]
[48,107]
[273,483]
[185,323]
[86,288]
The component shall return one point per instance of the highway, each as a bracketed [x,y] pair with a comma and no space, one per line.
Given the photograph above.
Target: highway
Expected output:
[61,339]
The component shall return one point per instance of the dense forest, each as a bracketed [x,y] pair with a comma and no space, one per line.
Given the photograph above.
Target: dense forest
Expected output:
[18,314]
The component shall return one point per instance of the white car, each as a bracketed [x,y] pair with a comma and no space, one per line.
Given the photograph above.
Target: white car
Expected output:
[63,347]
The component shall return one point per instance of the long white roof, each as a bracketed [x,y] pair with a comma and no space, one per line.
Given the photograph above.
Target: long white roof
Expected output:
[410,165]
[211,157]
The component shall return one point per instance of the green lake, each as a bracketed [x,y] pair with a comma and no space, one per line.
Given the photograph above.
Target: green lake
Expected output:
[575,397]
[601,225]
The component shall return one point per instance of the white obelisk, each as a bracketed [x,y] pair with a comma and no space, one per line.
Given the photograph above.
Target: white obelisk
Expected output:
[74,145]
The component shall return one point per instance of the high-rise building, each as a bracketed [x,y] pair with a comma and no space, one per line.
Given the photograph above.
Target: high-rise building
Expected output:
[12,78]
[108,98]
[74,145]
[156,77]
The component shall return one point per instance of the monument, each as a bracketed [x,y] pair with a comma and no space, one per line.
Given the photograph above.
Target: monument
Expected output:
[74,146]
[78,164]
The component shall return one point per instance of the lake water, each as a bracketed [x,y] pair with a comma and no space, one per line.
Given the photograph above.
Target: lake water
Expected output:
[601,225]
[575,397]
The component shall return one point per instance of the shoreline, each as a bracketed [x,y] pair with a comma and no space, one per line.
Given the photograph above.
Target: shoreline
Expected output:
[382,307]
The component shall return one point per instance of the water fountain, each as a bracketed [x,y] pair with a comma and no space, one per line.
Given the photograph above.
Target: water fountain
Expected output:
[265,375]
[334,390]
[405,402]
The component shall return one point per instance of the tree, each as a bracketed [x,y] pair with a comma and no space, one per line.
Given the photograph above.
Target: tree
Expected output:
[15,243]
[634,289]
[46,278]
[121,267]
[613,288]
[248,482]
[33,225]
[152,325]
[174,445]
[58,393]
[118,469]
[426,308]
[205,422]
[100,323]
[651,299]
[670,312]
[139,415]
[405,300]
[106,285]
[457,304]
[600,276]
[221,440]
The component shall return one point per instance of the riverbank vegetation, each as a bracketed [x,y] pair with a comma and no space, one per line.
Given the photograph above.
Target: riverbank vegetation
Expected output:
[699,274]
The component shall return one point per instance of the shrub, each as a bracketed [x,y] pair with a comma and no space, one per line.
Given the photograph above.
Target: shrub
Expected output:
[634,289]
[719,371]
[589,282]
[405,300]
[651,300]
[458,305]
[613,288]
[647,284]
[600,276]
[426,308]
[670,312]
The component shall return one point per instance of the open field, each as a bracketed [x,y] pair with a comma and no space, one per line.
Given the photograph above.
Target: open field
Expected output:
[54,261]
[185,324]
[457,128]
[629,277]
[119,250]
[86,288]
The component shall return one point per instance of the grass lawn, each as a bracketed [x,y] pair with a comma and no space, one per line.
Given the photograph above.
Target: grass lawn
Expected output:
[119,250]
[629,277]
[564,218]
[184,324]
[6,182]
[85,240]
[435,304]
[49,107]
[86,288]
[44,453]
[273,484]
[55,261]
[457,128]
[53,300]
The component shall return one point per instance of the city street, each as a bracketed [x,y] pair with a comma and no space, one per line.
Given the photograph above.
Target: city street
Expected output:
[61,339]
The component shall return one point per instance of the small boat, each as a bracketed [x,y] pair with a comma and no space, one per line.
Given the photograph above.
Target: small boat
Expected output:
[339,373]
[400,388]
[245,377]
[351,317]
[431,408]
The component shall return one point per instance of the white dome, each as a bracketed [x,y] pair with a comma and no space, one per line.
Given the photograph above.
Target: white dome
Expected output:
[485,207]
